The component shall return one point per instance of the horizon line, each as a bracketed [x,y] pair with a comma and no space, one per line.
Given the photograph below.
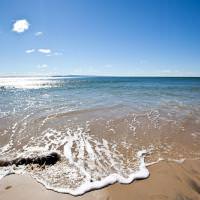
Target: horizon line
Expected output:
[85,75]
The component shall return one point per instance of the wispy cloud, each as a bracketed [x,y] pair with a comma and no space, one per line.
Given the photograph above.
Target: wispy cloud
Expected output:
[30,50]
[39,33]
[54,54]
[45,51]
[43,66]
[20,26]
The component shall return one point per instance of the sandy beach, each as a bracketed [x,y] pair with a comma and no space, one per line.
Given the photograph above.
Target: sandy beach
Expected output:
[168,180]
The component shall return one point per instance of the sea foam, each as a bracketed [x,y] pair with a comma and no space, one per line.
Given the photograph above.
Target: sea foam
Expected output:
[141,173]
[87,163]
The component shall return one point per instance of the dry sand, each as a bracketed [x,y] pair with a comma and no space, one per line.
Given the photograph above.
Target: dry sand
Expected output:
[168,180]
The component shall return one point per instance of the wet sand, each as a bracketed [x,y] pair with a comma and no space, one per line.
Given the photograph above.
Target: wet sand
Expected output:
[168,180]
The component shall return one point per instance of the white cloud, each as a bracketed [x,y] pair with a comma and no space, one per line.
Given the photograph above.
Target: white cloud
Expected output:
[54,54]
[30,50]
[39,33]
[42,66]
[49,52]
[20,26]
[46,51]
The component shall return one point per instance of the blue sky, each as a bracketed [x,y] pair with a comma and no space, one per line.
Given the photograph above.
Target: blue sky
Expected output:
[101,37]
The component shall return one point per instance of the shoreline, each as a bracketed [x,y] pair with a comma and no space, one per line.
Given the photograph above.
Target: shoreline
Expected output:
[167,180]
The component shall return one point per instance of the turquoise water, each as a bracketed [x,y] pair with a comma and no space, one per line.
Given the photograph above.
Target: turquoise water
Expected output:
[99,126]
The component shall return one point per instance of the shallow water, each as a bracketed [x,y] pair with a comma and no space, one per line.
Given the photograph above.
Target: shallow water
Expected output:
[101,126]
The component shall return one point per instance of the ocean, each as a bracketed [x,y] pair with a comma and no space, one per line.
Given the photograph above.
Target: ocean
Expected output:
[105,129]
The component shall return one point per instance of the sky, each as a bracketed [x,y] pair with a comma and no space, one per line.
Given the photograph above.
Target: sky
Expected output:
[100,37]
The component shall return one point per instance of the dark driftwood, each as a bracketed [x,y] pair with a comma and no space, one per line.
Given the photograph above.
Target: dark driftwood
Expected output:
[49,159]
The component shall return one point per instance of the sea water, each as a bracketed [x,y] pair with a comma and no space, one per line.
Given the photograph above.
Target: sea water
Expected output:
[106,129]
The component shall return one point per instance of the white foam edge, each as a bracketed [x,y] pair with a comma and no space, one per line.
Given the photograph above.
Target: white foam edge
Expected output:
[142,173]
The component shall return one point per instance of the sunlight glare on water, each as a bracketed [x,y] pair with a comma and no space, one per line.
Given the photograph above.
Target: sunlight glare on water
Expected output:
[30,82]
